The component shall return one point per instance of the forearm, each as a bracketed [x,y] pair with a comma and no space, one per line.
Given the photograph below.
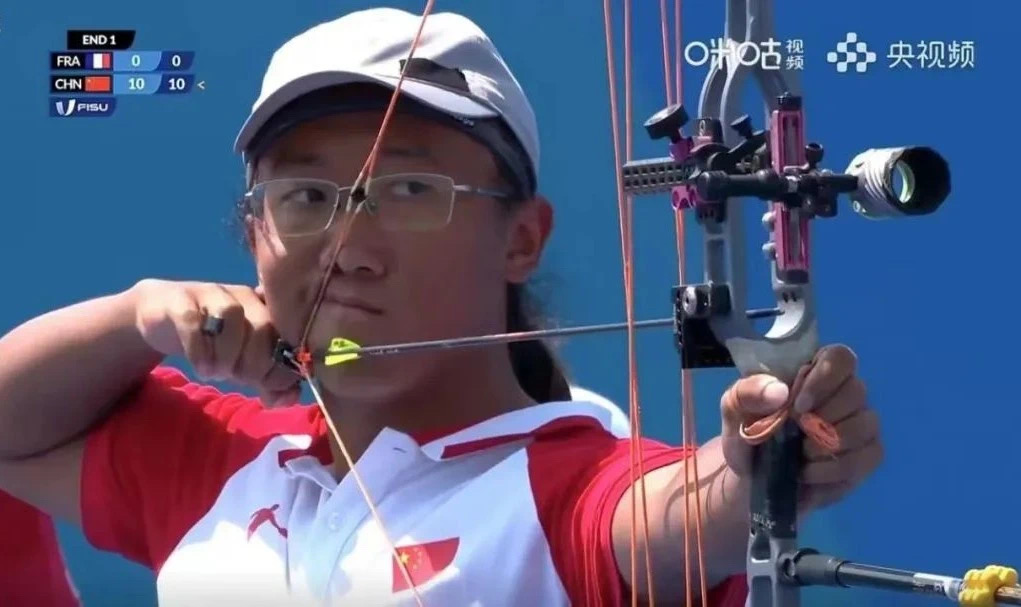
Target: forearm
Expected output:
[60,372]
[722,502]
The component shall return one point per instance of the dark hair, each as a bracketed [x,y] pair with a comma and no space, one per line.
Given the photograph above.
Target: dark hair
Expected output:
[539,372]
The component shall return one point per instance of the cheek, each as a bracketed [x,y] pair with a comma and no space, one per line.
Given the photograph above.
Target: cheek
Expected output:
[455,282]
[284,271]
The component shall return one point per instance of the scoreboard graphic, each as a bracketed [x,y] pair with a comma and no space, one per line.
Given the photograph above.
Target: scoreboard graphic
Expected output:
[100,66]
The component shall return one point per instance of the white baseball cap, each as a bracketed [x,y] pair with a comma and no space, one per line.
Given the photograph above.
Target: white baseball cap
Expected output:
[458,71]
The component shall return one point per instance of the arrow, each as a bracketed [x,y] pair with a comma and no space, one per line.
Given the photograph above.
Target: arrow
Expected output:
[201,84]
[344,348]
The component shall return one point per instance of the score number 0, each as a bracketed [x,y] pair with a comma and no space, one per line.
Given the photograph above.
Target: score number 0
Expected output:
[136,61]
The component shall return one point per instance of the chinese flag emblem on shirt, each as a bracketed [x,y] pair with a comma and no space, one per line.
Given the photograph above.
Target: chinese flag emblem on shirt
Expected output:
[423,561]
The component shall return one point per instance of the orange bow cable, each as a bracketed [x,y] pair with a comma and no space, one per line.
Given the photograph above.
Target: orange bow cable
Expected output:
[689,438]
[637,453]
[626,252]
[624,214]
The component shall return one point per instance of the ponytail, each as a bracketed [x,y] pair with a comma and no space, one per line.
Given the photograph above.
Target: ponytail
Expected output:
[537,369]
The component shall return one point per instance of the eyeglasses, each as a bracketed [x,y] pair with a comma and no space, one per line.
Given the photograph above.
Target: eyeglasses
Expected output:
[400,202]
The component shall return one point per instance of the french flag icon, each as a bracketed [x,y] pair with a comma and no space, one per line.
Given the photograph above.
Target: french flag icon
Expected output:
[100,61]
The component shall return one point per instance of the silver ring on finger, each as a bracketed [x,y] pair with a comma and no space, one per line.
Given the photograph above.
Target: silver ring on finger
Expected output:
[212,325]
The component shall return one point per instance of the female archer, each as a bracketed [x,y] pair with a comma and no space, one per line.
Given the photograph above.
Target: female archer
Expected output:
[488,485]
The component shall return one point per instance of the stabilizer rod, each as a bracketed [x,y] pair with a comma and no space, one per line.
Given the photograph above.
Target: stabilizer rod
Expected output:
[807,567]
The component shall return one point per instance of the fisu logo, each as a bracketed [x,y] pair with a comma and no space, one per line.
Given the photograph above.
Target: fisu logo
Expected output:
[76,108]
[66,110]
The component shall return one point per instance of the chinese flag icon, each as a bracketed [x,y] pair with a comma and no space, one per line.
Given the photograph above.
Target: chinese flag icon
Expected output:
[98,84]
[423,562]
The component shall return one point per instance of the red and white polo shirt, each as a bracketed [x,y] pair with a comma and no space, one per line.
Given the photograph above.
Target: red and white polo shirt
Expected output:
[32,570]
[231,503]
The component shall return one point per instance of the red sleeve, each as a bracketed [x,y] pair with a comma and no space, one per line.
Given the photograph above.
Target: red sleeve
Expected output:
[578,482]
[32,570]
[157,464]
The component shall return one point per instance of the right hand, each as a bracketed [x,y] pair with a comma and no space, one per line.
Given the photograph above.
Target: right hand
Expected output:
[169,317]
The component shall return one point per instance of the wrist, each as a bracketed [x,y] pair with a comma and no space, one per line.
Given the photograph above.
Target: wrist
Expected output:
[137,316]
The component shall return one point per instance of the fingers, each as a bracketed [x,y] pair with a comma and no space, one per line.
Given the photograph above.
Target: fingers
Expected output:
[751,398]
[829,389]
[747,400]
[184,312]
[847,411]
[848,469]
[226,346]
[833,366]
[847,400]
[255,365]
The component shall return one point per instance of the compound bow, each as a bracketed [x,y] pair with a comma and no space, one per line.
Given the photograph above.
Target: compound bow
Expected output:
[709,173]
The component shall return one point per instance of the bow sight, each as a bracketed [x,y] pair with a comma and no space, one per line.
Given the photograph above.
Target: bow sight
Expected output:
[712,327]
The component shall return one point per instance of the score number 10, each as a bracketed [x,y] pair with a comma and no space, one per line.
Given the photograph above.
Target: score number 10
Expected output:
[150,84]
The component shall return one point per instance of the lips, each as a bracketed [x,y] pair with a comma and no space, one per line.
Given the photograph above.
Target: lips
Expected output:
[352,302]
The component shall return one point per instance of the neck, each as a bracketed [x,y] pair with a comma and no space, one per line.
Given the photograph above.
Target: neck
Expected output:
[463,387]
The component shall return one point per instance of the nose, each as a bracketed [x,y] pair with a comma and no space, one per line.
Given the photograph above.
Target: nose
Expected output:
[362,253]
[359,262]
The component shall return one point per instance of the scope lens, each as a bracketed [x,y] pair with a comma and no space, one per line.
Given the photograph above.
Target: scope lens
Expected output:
[920,180]
[898,182]
[903,181]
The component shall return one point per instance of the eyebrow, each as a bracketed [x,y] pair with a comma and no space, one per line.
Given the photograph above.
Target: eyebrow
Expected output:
[290,158]
[407,152]
[298,158]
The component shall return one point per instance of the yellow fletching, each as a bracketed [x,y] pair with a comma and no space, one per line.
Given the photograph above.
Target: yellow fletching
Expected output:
[334,354]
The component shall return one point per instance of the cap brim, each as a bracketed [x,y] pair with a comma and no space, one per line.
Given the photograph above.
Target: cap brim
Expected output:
[445,100]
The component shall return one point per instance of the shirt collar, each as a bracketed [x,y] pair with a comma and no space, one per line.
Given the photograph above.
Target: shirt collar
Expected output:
[310,455]
[514,425]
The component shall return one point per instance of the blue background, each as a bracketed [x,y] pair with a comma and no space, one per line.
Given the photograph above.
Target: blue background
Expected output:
[92,205]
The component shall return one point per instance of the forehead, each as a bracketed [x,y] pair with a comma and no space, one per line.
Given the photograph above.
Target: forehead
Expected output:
[346,139]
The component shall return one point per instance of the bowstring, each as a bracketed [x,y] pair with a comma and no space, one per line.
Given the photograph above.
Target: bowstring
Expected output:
[665,34]
[636,415]
[624,212]
[688,424]
[305,366]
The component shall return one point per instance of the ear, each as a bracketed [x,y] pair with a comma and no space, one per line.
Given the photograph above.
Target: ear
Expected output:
[253,231]
[529,229]
[250,233]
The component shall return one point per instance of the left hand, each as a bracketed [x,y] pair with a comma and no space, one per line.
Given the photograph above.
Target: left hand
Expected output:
[831,391]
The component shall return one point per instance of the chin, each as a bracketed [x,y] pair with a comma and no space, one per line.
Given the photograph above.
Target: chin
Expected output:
[361,331]
[365,379]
